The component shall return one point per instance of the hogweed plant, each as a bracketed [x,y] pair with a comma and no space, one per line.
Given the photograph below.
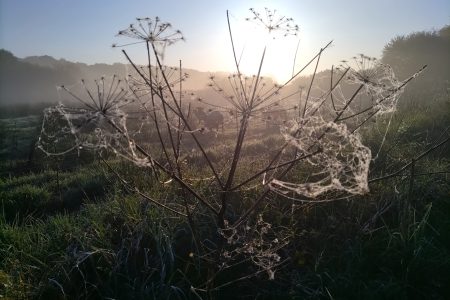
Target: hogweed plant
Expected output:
[146,118]
[99,108]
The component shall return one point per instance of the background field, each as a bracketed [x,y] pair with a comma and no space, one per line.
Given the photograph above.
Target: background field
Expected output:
[70,229]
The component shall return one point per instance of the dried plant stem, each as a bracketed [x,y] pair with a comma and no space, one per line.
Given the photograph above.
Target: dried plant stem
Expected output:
[331,86]
[384,98]
[181,115]
[168,172]
[415,159]
[234,52]
[311,83]
[135,190]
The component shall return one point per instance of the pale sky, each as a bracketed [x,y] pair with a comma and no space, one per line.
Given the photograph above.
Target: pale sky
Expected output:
[84,30]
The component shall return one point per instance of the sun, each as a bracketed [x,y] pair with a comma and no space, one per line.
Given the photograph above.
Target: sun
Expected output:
[252,41]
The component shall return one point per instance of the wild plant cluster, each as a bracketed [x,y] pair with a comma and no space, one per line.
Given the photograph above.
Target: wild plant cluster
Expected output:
[148,119]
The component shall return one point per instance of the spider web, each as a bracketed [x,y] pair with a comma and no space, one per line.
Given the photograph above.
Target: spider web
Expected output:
[340,159]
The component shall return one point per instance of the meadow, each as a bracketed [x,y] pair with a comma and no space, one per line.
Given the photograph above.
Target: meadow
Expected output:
[125,194]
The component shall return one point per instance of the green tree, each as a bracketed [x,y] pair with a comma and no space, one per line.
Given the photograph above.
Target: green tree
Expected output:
[408,53]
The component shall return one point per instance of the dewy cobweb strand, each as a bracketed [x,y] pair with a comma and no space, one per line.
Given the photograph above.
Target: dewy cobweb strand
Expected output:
[341,162]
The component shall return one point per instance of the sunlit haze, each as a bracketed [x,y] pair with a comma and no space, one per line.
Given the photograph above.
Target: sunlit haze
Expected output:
[84,31]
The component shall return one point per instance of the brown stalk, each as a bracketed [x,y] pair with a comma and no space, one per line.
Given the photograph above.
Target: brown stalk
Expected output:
[181,115]
[134,189]
[415,159]
[384,98]
[165,170]
[311,83]
[234,52]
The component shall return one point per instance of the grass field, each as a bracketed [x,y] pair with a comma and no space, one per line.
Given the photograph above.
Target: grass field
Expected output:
[331,186]
[70,229]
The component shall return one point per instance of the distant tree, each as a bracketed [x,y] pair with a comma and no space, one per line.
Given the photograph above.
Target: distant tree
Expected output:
[6,57]
[407,53]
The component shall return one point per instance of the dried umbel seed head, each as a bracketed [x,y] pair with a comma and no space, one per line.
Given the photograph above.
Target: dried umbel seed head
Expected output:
[157,80]
[151,31]
[256,242]
[104,97]
[379,81]
[273,23]
[246,94]
[93,123]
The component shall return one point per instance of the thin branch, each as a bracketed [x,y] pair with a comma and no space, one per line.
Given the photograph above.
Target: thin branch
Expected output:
[418,157]
[134,189]
[404,83]
[181,115]
[311,84]
[165,170]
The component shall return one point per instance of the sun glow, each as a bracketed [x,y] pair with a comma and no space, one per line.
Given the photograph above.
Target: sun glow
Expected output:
[252,41]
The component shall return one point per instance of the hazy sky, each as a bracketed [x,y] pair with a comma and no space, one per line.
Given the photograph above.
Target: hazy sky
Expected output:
[84,30]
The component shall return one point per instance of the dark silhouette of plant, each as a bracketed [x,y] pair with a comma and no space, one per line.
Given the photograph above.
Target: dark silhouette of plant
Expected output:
[321,158]
[273,23]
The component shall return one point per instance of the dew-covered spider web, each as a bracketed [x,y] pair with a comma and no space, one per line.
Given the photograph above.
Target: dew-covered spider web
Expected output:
[92,117]
[338,159]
